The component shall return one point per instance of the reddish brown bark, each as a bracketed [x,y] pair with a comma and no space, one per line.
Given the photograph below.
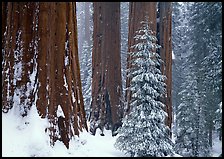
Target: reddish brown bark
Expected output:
[138,12]
[42,59]
[61,75]
[4,20]
[106,86]
[8,61]
[36,38]
[18,56]
[166,54]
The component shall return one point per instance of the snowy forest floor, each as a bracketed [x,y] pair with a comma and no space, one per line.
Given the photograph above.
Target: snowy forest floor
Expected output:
[23,137]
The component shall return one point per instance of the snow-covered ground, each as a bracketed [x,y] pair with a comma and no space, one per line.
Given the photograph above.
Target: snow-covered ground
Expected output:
[217,146]
[22,137]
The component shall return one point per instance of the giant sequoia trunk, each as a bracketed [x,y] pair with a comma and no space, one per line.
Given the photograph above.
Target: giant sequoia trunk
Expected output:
[4,15]
[18,56]
[138,12]
[41,66]
[166,53]
[106,109]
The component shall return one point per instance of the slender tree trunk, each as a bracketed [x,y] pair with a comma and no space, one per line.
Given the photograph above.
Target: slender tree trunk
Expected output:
[210,133]
[166,54]
[41,66]
[106,74]
[81,32]
[87,23]
[138,12]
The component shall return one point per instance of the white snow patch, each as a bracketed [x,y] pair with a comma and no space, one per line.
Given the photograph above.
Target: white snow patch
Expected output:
[65,82]
[217,146]
[66,61]
[60,112]
[173,56]
[17,72]
[24,136]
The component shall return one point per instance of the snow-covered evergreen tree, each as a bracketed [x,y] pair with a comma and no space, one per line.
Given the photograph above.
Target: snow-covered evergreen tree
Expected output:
[180,47]
[206,57]
[144,132]
[212,69]
[200,70]
[191,139]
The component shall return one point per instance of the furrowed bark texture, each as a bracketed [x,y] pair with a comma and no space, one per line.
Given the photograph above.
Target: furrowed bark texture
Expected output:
[106,108]
[18,56]
[4,20]
[59,72]
[41,66]
[138,12]
[166,54]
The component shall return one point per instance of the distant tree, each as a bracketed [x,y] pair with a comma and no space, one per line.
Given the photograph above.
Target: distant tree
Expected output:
[180,47]
[211,32]
[106,106]
[86,75]
[191,139]
[206,57]
[184,84]
[41,66]
[85,30]
[200,91]
[124,41]
[88,23]
[80,25]
[144,132]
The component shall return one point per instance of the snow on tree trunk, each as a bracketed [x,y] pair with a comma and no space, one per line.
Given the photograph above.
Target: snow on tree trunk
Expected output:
[59,75]
[41,67]
[19,57]
[106,108]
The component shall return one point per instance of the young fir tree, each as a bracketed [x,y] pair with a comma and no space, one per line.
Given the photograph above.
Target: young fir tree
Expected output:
[144,132]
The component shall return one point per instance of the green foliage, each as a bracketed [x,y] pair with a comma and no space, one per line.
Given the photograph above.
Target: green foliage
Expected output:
[144,132]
